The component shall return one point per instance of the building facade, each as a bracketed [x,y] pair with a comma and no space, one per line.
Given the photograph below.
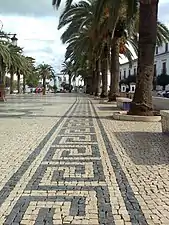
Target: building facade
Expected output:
[161,63]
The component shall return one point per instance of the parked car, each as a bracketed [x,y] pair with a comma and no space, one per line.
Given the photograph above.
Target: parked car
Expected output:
[160,93]
[166,94]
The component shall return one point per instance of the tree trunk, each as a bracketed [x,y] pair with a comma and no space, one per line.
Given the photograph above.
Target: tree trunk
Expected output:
[93,85]
[44,85]
[2,80]
[98,80]
[11,82]
[70,89]
[114,71]
[24,84]
[18,82]
[142,101]
[104,70]
[88,84]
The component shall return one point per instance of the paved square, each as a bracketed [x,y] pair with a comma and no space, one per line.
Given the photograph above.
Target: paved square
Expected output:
[64,161]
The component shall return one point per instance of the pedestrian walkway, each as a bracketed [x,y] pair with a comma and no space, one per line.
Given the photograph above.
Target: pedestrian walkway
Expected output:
[84,168]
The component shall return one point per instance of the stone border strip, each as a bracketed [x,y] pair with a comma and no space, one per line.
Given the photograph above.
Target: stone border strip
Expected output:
[132,205]
[11,183]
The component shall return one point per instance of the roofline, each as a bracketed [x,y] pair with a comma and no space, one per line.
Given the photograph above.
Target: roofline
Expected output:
[135,60]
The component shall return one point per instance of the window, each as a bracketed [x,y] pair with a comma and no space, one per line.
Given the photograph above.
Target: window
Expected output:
[166,47]
[156,50]
[135,71]
[129,72]
[155,70]
[164,68]
[133,89]
[124,74]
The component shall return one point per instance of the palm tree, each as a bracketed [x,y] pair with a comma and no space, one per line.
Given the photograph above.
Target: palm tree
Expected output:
[142,101]
[28,69]
[16,65]
[57,3]
[88,23]
[86,35]
[82,37]
[5,60]
[68,69]
[46,72]
[11,61]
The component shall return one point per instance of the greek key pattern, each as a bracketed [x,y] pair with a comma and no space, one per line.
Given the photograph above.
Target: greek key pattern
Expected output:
[69,185]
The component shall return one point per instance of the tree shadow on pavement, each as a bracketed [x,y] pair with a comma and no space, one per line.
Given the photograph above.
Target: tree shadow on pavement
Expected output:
[145,148]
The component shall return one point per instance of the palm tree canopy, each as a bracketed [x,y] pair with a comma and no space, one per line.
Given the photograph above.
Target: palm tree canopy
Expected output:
[57,3]
[46,71]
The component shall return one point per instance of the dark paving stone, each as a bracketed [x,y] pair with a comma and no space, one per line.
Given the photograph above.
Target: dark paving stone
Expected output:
[69,139]
[58,176]
[66,153]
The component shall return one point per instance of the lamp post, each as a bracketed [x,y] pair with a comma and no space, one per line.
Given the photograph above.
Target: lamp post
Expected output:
[14,40]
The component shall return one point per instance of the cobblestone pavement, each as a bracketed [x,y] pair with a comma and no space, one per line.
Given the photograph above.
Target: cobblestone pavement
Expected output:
[64,161]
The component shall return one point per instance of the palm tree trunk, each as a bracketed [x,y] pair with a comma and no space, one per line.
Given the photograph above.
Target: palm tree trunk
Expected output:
[104,70]
[88,84]
[18,82]
[93,85]
[70,88]
[11,82]
[44,85]
[2,86]
[98,80]
[24,84]
[114,71]
[142,101]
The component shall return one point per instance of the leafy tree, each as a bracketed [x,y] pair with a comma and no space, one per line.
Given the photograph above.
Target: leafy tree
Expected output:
[163,80]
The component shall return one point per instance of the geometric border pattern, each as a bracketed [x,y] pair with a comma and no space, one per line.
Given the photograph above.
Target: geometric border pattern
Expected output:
[72,170]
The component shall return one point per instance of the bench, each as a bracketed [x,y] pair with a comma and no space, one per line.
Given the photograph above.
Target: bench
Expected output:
[123,103]
[165,121]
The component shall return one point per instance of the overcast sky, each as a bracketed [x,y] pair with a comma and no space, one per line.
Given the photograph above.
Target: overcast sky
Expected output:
[35,22]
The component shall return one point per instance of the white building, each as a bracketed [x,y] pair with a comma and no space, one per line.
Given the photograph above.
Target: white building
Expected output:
[161,63]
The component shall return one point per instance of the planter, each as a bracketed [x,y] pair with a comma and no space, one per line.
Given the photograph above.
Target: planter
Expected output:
[123,103]
[125,117]
[165,121]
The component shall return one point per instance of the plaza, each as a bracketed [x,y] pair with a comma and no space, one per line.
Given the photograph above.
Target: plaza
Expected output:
[64,160]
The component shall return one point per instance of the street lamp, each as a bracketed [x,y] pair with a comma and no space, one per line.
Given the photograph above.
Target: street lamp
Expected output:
[14,40]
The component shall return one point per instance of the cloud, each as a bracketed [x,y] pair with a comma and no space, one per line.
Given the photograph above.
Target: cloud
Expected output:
[39,37]
[28,8]
[163,11]
[35,23]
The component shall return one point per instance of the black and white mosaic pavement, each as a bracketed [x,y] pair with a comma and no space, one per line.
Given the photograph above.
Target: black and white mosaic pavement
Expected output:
[69,185]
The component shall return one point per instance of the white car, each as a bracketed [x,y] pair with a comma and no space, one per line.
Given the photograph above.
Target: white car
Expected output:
[160,93]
